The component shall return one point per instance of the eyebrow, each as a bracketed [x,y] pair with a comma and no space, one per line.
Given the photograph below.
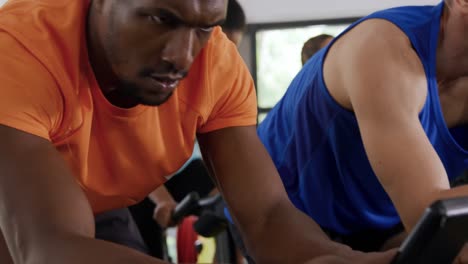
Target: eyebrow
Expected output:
[177,17]
[217,23]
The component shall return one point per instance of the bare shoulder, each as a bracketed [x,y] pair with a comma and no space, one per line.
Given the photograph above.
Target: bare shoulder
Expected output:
[374,55]
[377,34]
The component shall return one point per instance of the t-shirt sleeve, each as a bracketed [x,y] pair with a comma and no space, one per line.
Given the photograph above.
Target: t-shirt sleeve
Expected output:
[29,98]
[232,88]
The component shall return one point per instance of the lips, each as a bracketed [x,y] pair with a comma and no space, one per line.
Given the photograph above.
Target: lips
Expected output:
[167,84]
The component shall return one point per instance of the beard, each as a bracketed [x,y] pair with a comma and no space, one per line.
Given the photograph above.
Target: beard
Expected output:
[135,94]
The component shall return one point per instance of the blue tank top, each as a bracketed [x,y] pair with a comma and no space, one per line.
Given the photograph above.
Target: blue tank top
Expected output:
[317,148]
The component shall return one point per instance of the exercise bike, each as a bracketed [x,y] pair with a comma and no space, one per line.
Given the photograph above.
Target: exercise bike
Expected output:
[201,218]
[439,235]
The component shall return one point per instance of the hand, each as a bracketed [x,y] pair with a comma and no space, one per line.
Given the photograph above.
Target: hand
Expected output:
[163,213]
[394,241]
[357,257]
[463,256]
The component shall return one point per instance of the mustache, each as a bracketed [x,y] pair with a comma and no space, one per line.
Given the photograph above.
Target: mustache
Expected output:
[171,73]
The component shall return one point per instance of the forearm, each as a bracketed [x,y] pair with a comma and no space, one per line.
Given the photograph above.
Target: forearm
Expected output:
[425,200]
[74,249]
[161,195]
[454,192]
[289,236]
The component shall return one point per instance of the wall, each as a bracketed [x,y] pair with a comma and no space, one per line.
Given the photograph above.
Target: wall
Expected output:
[262,11]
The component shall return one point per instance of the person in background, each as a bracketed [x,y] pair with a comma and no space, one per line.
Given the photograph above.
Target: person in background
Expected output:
[235,24]
[314,44]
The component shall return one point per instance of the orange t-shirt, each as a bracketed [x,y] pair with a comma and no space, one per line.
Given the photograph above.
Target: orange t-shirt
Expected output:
[117,155]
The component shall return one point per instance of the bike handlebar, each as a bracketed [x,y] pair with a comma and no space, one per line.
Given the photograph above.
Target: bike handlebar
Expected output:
[209,222]
[186,207]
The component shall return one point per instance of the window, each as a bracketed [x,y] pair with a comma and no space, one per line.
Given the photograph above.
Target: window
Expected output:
[278,57]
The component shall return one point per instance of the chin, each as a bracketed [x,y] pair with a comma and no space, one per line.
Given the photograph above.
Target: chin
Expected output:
[154,100]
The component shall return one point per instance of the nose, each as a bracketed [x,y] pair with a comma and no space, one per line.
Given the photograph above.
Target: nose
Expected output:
[179,50]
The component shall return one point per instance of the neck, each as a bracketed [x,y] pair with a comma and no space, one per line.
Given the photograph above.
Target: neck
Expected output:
[452,50]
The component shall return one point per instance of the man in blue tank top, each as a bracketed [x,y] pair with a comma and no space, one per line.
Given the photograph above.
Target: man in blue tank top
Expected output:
[375,126]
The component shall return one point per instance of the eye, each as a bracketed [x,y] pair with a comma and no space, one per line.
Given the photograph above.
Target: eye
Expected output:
[206,29]
[163,20]
[155,19]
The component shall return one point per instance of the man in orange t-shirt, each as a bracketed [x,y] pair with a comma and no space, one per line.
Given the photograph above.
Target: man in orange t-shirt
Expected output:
[91,120]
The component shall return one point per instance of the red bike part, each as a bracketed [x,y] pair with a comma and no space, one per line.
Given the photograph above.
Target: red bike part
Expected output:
[186,237]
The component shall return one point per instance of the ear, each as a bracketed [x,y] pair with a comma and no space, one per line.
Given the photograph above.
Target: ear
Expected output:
[98,5]
[461,5]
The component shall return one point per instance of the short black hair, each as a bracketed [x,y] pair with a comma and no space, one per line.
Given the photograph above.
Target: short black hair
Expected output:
[312,45]
[235,17]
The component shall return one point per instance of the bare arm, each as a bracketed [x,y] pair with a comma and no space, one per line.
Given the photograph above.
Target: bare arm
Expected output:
[165,206]
[44,215]
[380,77]
[275,231]
[160,195]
